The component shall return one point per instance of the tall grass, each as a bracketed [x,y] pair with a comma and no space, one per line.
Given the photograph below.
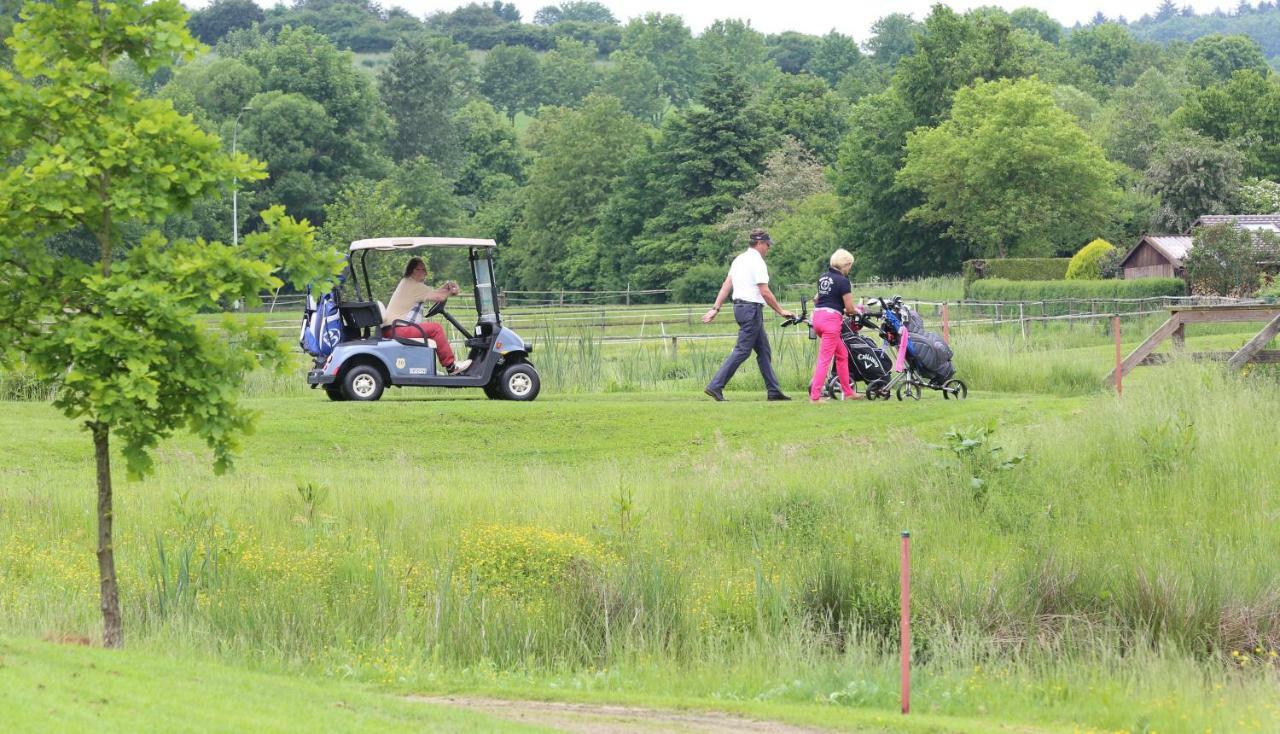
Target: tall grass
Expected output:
[1131,547]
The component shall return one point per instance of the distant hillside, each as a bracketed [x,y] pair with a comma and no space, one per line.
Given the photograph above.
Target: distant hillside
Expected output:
[1262,23]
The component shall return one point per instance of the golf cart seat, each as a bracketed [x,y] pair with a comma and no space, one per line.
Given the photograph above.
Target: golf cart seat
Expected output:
[415,341]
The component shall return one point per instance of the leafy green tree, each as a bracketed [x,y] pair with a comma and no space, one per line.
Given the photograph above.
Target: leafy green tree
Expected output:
[1224,259]
[1193,175]
[1137,118]
[122,340]
[791,51]
[791,175]
[806,236]
[952,52]
[705,160]
[665,42]
[220,17]
[213,89]
[872,216]
[835,56]
[575,11]
[1244,112]
[1212,59]
[492,157]
[1104,47]
[1034,20]
[426,81]
[635,81]
[804,107]
[511,79]
[893,38]
[298,139]
[1010,173]
[580,155]
[568,73]
[736,44]
[368,209]
[1258,196]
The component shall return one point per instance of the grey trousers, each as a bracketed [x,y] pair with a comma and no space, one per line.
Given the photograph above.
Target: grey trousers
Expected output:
[751,336]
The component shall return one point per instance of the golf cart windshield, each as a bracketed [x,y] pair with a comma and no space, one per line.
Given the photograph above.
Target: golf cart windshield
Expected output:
[486,302]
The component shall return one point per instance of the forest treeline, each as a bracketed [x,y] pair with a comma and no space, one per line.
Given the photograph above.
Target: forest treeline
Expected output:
[604,153]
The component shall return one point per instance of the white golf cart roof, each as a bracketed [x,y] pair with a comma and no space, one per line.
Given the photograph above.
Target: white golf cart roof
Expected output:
[410,243]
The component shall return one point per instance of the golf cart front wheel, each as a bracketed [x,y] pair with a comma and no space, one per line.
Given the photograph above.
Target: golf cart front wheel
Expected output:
[908,390]
[364,383]
[956,389]
[519,382]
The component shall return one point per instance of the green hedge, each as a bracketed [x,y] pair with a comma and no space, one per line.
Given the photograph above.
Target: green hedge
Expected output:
[1017,268]
[992,289]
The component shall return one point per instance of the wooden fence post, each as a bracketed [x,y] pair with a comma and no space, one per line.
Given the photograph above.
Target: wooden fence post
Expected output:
[946,325]
[1022,321]
[1115,326]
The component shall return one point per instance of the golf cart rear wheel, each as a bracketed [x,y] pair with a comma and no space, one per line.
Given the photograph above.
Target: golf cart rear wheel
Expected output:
[493,391]
[334,392]
[956,389]
[908,390]
[519,382]
[363,382]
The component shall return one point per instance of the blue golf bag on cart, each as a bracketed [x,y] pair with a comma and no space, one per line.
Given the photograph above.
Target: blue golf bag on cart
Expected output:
[321,325]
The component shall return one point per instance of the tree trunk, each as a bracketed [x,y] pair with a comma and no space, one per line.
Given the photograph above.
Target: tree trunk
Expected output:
[112,632]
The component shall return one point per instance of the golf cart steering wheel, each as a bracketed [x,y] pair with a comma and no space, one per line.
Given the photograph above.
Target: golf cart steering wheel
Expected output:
[435,309]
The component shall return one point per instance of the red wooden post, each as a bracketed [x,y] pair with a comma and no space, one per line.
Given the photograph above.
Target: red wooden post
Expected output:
[1115,326]
[905,628]
[946,325]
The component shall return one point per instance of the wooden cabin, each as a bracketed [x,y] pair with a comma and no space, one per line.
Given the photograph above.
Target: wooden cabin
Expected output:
[1156,256]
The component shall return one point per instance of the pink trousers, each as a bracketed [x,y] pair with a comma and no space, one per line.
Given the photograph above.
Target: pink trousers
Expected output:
[827,324]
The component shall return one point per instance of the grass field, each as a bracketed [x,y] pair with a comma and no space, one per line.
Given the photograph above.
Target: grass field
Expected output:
[1082,563]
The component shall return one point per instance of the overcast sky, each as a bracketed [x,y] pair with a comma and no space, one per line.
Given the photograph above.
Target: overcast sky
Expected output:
[815,16]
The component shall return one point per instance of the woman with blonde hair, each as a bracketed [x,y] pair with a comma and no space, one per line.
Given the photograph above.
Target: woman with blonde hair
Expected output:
[834,300]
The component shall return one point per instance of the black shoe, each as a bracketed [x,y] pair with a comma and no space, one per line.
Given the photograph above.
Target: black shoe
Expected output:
[716,395]
[779,396]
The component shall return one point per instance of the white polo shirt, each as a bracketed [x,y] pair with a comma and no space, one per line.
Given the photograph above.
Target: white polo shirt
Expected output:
[748,271]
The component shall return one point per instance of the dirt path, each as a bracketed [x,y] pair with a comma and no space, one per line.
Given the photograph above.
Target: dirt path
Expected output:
[586,718]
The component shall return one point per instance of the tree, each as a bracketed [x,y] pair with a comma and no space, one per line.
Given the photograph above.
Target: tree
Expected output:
[635,81]
[1104,47]
[792,51]
[872,215]
[1034,20]
[736,44]
[1258,196]
[1137,118]
[1166,11]
[568,73]
[120,335]
[367,209]
[213,89]
[835,56]
[1010,173]
[665,42]
[492,158]
[804,107]
[220,17]
[1087,264]
[1212,59]
[575,11]
[1223,259]
[1244,112]
[1192,175]
[510,79]
[791,175]
[580,155]
[893,37]
[426,81]
[952,52]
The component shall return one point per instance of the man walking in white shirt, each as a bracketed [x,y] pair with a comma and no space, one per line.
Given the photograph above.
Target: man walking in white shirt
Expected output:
[748,279]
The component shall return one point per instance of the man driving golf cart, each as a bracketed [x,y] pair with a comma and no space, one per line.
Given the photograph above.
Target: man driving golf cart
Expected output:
[403,316]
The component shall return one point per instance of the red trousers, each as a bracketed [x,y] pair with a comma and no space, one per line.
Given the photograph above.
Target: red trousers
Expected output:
[434,331]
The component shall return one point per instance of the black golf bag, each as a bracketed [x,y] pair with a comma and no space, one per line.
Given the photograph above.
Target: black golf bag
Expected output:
[927,353]
[867,361]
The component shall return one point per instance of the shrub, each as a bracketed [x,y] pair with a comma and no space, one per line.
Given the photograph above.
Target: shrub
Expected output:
[1016,268]
[520,560]
[699,284]
[1224,259]
[1087,263]
[1051,290]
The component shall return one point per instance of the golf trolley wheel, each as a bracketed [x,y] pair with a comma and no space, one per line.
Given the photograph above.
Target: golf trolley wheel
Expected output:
[956,389]
[519,382]
[363,382]
[908,390]
[334,392]
[830,387]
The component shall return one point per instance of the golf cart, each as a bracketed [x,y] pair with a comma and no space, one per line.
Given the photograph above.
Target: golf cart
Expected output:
[363,363]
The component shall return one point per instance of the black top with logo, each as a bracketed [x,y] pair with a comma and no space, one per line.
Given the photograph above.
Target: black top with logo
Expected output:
[832,288]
